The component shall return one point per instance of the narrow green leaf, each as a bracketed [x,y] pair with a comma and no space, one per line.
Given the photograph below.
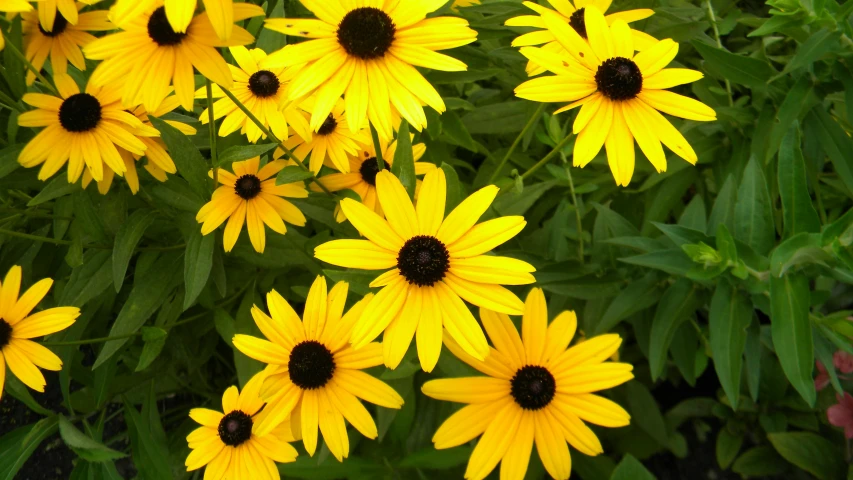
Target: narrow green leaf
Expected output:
[456,132]
[20,391]
[291,174]
[58,187]
[835,142]
[673,261]
[789,112]
[638,295]
[198,261]
[84,446]
[243,152]
[88,280]
[811,452]
[191,165]
[126,239]
[739,69]
[798,212]
[729,317]
[155,340]
[723,211]
[676,306]
[801,249]
[403,166]
[270,40]
[149,456]
[631,469]
[455,192]
[15,72]
[754,211]
[792,331]
[17,445]
[818,44]
[9,159]
[178,194]
[645,412]
[752,358]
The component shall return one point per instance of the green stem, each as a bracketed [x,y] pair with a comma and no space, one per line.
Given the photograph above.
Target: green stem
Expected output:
[211,124]
[719,44]
[11,103]
[90,340]
[521,135]
[378,147]
[11,46]
[547,158]
[577,212]
[55,241]
[275,139]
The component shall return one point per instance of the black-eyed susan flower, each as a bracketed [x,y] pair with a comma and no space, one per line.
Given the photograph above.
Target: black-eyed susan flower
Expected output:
[261,89]
[620,93]
[228,443]
[180,13]
[23,356]
[250,196]
[50,10]
[158,161]
[435,263]
[332,144]
[573,15]
[62,44]
[362,174]
[536,391]
[369,53]
[313,371]
[148,56]
[13,6]
[82,130]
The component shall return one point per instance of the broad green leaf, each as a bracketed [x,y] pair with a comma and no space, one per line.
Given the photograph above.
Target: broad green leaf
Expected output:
[738,69]
[191,165]
[631,469]
[148,453]
[403,166]
[126,240]
[224,324]
[818,44]
[291,174]
[198,260]
[84,446]
[17,445]
[792,331]
[754,211]
[728,446]
[811,452]
[801,249]
[835,142]
[239,153]
[798,212]
[178,194]
[760,461]
[454,131]
[789,112]
[645,412]
[155,340]
[730,315]
[638,295]
[455,191]
[609,224]
[681,235]
[58,187]
[518,203]
[694,215]
[673,261]
[88,280]
[723,211]
[676,306]
[149,292]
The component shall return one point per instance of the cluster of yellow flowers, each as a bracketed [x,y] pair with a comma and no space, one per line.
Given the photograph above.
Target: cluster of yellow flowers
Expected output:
[336,100]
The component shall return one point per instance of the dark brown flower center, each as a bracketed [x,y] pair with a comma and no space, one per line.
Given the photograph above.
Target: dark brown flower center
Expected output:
[161,31]
[533,387]
[80,112]
[311,365]
[235,428]
[5,333]
[329,125]
[423,260]
[59,25]
[248,187]
[366,33]
[577,22]
[370,168]
[264,83]
[619,79]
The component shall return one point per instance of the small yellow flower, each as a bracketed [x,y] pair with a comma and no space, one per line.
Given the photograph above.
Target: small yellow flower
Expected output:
[537,391]
[22,355]
[180,14]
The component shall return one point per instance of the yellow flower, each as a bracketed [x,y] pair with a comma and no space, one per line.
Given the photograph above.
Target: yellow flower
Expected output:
[369,54]
[620,92]
[159,161]
[250,195]
[180,13]
[13,6]
[536,392]
[362,174]
[436,262]
[63,43]
[574,16]
[229,443]
[83,130]
[149,56]
[48,9]
[313,372]
[17,327]
[261,89]
[333,143]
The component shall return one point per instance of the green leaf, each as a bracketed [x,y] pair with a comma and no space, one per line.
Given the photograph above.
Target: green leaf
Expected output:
[15,72]
[760,461]
[155,340]
[84,446]
[738,69]
[58,187]
[20,391]
[149,292]
[728,446]
[818,44]
[729,317]
[519,203]
[432,459]
[801,249]
[455,192]
[638,295]
[788,113]
[198,261]
[752,359]
[178,194]
[270,40]
[753,211]
[9,159]
[645,412]
[811,452]
[792,331]
[673,261]
[191,165]
[150,456]
[17,445]
[126,239]
[456,132]
[723,211]
[88,280]
[631,469]
[291,174]
[403,166]
[798,212]
[676,306]
[835,142]
[243,152]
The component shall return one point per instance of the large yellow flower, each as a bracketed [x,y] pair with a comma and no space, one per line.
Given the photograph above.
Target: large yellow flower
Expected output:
[63,43]
[48,10]
[620,93]
[83,130]
[180,14]
[250,196]
[158,163]
[149,56]
[313,372]
[17,327]
[369,53]
[436,262]
[536,392]
[259,88]
[574,16]
[229,443]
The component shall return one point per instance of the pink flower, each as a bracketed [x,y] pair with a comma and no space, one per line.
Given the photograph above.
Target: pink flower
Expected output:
[841,415]
[843,361]
[822,378]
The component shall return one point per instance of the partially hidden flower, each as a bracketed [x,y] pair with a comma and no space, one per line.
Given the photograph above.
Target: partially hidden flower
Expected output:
[841,414]
[180,13]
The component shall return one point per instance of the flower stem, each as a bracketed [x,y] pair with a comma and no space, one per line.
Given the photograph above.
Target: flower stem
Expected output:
[275,139]
[211,124]
[521,135]
[577,212]
[11,46]
[713,19]
[380,163]
[553,153]
[37,238]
